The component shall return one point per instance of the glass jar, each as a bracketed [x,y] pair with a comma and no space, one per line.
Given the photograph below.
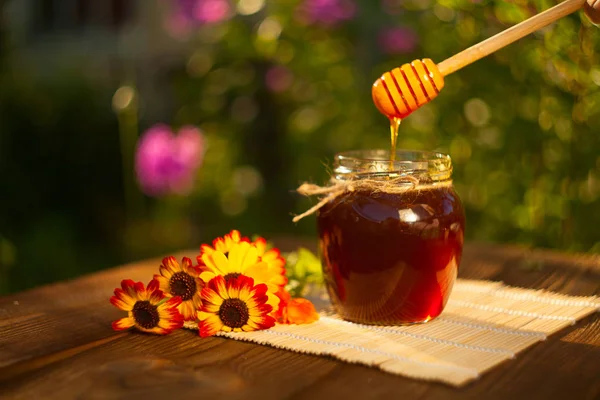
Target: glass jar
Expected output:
[391,257]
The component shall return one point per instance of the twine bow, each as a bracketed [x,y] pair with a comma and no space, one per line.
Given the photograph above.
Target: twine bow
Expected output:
[338,187]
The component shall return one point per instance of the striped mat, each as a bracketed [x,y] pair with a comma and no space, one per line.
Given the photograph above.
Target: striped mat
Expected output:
[483,325]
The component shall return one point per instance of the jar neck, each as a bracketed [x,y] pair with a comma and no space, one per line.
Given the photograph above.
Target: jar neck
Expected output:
[426,167]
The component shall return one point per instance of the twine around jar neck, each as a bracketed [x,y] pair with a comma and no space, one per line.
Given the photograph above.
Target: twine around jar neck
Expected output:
[338,187]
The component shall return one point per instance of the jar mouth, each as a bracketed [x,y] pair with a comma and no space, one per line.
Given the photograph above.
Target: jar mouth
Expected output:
[426,165]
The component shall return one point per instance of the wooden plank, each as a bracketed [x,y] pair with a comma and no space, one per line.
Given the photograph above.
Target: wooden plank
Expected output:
[189,365]
[56,341]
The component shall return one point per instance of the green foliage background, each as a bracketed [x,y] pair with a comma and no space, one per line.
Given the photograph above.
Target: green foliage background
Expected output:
[522,127]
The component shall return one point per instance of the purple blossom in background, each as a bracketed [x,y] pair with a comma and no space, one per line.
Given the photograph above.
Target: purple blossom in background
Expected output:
[189,13]
[204,11]
[166,163]
[398,40]
[326,12]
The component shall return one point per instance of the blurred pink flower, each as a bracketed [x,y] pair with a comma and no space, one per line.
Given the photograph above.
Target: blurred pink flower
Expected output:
[189,13]
[166,163]
[209,11]
[278,78]
[326,12]
[398,40]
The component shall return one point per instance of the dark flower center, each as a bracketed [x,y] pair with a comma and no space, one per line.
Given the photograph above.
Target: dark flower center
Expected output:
[233,275]
[182,285]
[145,314]
[234,313]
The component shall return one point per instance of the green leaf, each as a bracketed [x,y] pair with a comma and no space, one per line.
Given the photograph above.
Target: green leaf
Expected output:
[303,268]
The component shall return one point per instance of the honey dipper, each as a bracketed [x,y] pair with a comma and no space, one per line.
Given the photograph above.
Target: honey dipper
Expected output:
[399,92]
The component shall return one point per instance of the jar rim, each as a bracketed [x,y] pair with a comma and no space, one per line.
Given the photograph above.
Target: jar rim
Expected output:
[434,166]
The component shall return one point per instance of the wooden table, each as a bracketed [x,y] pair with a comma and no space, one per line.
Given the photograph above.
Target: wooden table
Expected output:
[56,342]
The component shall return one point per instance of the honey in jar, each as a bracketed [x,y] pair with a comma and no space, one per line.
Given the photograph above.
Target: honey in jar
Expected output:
[392,256]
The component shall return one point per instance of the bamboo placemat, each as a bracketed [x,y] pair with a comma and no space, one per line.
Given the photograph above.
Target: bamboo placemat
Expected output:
[484,324]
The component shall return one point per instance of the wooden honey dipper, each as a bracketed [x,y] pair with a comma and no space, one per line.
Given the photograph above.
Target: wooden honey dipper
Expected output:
[399,92]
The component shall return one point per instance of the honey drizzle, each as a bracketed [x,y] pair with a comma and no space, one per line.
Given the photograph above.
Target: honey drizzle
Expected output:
[394,125]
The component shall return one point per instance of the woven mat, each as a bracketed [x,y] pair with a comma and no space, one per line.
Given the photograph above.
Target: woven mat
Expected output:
[484,324]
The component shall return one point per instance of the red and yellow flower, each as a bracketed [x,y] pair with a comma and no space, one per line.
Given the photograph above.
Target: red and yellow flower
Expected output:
[148,309]
[181,280]
[222,244]
[275,262]
[243,259]
[245,292]
[234,304]
[272,257]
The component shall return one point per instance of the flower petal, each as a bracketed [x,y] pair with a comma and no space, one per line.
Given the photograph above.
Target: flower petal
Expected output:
[234,236]
[241,256]
[188,310]
[261,246]
[273,256]
[202,315]
[210,326]
[245,293]
[187,267]
[217,263]
[301,311]
[264,322]
[210,308]
[233,288]
[171,324]
[209,296]
[197,300]
[123,324]
[284,299]
[273,300]
[163,283]
[169,267]
[250,326]
[259,290]
[152,286]
[207,275]
[260,272]
[154,293]
[205,249]
[173,302]
[122,300]
[218,285]
[139,288]
[219,245]
[128,287]
[260,310]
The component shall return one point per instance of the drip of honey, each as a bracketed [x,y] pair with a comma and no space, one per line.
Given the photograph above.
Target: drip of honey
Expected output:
[394,125]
